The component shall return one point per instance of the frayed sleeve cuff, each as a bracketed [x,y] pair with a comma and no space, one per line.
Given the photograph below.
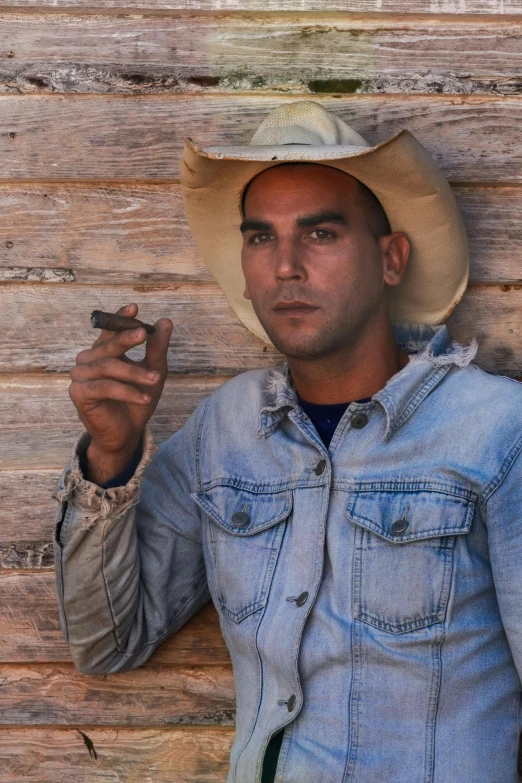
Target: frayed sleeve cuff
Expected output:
[94,501]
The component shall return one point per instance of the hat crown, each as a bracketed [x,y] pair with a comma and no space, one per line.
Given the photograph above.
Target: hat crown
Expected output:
[305,122]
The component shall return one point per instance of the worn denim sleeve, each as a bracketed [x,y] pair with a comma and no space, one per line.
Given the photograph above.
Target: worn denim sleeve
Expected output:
[129,561]
[504,521]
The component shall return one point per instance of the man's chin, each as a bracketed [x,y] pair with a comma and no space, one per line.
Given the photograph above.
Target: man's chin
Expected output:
[298,345]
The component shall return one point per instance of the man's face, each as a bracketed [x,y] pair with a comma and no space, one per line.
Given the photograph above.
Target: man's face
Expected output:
[314,272]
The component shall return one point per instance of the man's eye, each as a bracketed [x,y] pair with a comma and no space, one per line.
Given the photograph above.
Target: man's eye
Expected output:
[258,239]
[321,233]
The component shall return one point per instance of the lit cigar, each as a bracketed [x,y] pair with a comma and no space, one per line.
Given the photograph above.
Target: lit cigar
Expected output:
[117,323]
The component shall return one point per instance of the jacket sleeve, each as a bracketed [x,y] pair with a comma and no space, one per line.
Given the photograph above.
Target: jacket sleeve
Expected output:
[129,560]
[504,524]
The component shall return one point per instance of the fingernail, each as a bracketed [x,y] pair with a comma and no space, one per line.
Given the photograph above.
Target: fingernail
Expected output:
[145,397]
[152,376]
[137,332]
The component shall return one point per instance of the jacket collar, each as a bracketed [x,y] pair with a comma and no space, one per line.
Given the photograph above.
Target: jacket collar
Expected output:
[432,355]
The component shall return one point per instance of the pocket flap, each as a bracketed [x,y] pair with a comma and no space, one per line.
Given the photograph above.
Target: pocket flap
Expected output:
[411,516]
[242,512]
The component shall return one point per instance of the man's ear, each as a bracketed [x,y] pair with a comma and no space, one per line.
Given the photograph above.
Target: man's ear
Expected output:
[396,252]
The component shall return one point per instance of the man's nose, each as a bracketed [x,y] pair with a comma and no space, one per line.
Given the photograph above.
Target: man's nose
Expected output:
[288,261]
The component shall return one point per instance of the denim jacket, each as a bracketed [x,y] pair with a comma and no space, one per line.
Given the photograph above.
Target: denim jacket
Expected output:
[370,594]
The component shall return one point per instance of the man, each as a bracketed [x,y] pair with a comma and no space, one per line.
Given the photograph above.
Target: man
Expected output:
[354,514]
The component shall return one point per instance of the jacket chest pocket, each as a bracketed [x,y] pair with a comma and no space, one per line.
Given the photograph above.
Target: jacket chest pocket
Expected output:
[403,559]
[245,531]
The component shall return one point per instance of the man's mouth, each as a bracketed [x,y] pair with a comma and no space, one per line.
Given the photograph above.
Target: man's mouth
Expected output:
[295,307]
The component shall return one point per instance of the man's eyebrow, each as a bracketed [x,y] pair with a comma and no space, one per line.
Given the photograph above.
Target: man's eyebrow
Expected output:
[303,222]
[321,217]
[254,225]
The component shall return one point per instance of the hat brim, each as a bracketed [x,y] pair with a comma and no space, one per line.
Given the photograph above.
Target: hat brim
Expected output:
[413,191]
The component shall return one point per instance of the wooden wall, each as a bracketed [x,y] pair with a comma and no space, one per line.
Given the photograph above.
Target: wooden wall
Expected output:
[96,97]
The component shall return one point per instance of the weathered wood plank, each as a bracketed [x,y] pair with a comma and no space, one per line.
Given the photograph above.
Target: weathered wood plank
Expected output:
[494,315]
[117,234]
[27,518]
[207,337]
[44,327]
[138,233]
[99,755]
[40,423]
[51,694]
[30,629]
[314,52]
[492,217]
[474,138]
[436,7]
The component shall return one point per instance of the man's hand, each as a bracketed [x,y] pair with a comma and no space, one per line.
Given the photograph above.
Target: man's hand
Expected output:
[115,396]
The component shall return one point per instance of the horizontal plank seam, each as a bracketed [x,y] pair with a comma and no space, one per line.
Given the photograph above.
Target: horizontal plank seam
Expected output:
[10,378]
[8,572]
[36,471]
[89,183]
[138,285]
[61,182]
[258,14]
[268,94]
[64,666]
[189,727]
[159,184]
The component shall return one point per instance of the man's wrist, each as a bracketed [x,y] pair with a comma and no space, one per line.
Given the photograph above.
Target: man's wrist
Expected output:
[101,467]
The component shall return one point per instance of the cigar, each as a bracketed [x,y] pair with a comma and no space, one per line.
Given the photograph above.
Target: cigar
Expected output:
[117,323]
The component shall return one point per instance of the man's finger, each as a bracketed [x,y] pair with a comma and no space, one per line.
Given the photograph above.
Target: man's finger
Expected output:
[107,389]
[157,346]
[115,368]
[130,310]
[117,344]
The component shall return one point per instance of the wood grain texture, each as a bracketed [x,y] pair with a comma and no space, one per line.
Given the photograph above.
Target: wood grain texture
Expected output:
[138,233]
[473,138]
[27,510]
[103,234]
[492,217]
[143,53]
[40,423]
[89,754]
[494,315]
[434,7]
[30,629]
[45,326]
[55,694]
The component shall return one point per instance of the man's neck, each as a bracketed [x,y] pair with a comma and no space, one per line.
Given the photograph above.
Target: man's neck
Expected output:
[352,374]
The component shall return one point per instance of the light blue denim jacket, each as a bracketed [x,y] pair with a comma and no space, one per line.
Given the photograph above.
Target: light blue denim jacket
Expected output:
[370,594]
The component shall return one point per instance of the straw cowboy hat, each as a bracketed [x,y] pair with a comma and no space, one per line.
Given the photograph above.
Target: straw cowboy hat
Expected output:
[411,188]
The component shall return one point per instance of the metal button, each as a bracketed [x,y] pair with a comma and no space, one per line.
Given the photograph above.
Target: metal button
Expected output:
[302,599]
[240,519]
[399,526]
[291,702]
[319,468]
[359,420]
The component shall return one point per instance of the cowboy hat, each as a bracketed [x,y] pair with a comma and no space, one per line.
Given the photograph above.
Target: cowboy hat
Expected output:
[411,188]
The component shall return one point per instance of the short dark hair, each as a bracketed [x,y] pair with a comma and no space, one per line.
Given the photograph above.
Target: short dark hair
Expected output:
[376,217]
